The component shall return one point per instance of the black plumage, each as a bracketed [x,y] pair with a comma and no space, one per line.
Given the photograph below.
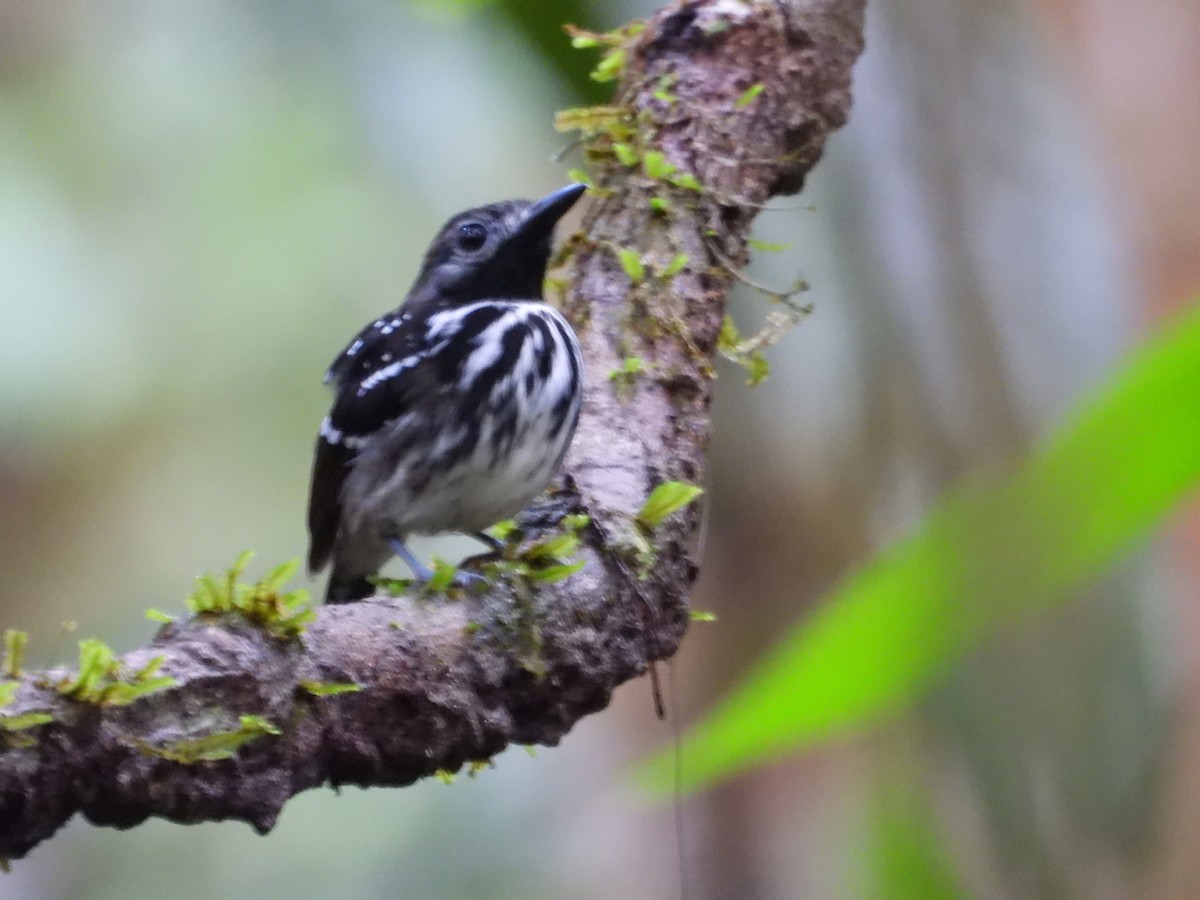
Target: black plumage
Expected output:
[456,409]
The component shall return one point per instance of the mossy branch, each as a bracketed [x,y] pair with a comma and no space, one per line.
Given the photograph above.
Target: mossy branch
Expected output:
[722,106]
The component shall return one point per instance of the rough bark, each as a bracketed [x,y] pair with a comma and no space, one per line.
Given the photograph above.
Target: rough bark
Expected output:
[444,683]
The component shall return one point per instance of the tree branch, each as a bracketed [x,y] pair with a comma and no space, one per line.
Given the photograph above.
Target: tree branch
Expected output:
[444,683]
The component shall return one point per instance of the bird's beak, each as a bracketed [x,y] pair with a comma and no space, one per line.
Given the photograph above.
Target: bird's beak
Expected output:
[545,213]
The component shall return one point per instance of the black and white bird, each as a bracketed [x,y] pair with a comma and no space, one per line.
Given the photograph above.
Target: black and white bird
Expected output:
[455,410]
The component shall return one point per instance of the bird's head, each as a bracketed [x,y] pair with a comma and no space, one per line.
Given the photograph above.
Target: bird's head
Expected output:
[495,251]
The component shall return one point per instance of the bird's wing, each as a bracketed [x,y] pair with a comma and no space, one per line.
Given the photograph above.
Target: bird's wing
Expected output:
[405,365]
[375,379]
[343,432]
[357,356]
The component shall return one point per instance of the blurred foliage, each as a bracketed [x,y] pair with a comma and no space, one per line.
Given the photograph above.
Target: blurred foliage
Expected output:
[986,553]
[908,856]
[541,24]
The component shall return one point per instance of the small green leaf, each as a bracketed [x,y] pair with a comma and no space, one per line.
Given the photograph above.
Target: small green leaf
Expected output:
[256,725]
[749,95]
[581,176]
[576,521]
[631,367]
[14,652]
[8,692]
[656,166]
[240,564]
[120,693]
[25,721]
[280,575]
[757,368]
[669,497]
[213,747]
[584,41]
[625,154]
[766,247]
[149,669]
[329,688]
[660,204]
[396,587]
[687,181]
[445,776]
[675,266]
[590,120]
[730,336]
[556,547]
[560,572]
[96,667]
[611,65]
[157,615]
[503,529]
[699,615]
[442,577]
[662,91]
[631,263]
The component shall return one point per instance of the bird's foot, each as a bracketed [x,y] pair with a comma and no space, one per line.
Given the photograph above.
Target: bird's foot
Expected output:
[426,576]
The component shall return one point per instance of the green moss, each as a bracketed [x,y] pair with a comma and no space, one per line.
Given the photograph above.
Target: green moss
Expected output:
[14,652]
[284,615]
[329,688]
[11,725]
[632,368]
[212,747]
[747,352]
[613,44]
[548,559]
[748,96]
[24,721]
[103,680]
[441,584]
[666,500]
[634,541]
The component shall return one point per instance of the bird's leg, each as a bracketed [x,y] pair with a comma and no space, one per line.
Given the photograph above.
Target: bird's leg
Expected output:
[495,550]
[423,573]
[420,571]
[496,545]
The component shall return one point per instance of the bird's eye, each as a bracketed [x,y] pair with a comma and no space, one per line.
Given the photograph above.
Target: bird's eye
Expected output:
[471,236]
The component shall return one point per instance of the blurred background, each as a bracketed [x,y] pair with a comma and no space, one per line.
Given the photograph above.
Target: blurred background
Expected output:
[201,202]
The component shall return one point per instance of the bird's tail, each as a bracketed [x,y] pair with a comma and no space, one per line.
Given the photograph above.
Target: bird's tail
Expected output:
[347,588]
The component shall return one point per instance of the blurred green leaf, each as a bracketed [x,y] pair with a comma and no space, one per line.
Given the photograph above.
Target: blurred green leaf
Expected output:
[986,553]
[907,857]
[539,26]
